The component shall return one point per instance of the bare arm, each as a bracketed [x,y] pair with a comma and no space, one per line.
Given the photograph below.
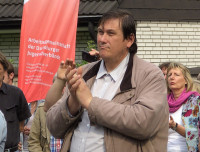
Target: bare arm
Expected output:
[54,94]
[59,114]
[56,90]
[179,129]
[21,126]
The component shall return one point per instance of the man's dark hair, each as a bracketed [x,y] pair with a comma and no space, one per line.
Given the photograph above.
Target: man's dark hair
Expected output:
[3,62]
[10,68]
[164,65]
[127,24]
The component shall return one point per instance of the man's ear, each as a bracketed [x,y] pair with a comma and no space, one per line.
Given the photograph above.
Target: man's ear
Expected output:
[131,40]
[11,76]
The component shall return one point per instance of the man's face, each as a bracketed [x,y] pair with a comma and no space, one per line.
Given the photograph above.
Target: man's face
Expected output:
[6,78]
[2,71]
[111,44]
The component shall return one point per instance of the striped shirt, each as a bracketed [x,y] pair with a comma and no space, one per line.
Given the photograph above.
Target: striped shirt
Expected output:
[55,144]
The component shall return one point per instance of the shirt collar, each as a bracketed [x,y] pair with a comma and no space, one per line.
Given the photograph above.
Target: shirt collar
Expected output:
[102,70]
[115,74]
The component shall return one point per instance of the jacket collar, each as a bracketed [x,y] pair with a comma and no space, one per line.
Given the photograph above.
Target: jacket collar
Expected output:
[126,83]
[92,72]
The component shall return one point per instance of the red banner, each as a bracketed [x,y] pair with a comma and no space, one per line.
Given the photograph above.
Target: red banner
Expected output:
[48,36]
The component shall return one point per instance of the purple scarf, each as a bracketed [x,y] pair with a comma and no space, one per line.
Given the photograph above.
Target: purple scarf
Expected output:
[174,105]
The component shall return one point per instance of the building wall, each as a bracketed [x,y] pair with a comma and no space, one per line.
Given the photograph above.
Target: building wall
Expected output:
[169,41]
[9,45]
[157,42]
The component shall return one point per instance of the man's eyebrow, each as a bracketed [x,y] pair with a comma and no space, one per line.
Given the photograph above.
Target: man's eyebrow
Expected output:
[107,30]
[99,28]
[110,30]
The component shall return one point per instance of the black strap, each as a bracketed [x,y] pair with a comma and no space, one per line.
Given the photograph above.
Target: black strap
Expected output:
[13,149]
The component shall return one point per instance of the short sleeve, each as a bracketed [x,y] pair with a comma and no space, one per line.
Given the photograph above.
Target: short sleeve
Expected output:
[23,109]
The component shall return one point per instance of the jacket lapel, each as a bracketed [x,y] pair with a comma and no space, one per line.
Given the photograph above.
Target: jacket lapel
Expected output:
[127,87]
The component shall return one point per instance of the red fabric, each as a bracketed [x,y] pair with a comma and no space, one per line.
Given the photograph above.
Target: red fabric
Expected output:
[48,36]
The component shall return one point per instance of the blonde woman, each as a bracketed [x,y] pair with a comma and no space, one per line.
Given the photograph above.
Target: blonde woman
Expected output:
[183,108]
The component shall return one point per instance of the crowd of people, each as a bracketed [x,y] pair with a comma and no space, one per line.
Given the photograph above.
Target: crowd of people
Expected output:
[119,103]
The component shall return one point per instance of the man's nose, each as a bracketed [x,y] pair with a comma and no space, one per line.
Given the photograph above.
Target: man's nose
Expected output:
[103,37]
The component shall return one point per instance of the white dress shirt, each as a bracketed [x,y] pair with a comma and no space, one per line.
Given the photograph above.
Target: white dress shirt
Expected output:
[176,142]
[88,138]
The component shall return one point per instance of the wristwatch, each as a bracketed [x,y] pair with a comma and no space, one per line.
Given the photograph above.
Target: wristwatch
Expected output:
[175,127]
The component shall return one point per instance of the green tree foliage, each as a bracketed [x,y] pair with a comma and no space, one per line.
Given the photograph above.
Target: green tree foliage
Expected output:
[90,45]
[11,61]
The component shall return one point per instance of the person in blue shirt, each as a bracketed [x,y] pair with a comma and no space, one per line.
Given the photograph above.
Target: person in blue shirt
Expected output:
[3,131]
